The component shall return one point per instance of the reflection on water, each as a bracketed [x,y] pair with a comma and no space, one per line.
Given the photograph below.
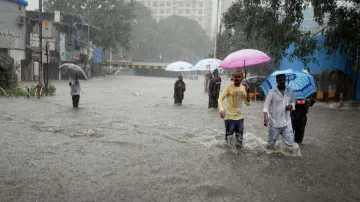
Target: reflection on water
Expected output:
[127,141]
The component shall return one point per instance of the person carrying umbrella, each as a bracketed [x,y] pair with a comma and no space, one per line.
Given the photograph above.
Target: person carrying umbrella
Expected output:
[278,104]
[179,89]
[75,91]
[214,89]
[234,120]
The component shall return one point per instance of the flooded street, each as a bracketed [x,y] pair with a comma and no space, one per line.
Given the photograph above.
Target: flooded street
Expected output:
[128,142]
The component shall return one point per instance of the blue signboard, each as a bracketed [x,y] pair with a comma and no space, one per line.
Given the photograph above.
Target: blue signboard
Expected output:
[98,54]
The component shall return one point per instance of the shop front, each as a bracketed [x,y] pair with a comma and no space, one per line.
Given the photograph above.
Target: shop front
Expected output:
[13,31]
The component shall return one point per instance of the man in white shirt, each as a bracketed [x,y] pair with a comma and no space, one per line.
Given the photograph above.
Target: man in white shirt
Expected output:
[278,104]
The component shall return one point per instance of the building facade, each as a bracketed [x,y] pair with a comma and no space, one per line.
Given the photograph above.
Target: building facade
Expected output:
[198,10]
[13,30]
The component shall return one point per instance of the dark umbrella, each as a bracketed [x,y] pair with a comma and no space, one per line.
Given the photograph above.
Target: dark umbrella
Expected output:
[255,79]
[73,71]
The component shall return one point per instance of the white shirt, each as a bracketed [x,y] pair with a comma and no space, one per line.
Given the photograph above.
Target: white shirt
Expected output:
[275,104]
[75,89]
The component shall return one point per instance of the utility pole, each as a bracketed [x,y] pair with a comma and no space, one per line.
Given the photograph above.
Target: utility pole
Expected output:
[110,55]
[46,81]
[40,43]
[216,27]
[357,64]
[88,70]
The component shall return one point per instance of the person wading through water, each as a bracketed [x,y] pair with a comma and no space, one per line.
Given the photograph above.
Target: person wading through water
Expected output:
[214,89]
[206,81]
[75,91]
[235,93]
[179,89]
[278,105]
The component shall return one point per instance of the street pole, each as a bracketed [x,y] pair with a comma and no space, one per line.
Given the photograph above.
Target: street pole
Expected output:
[216,27]
[357,65]
[88,52]
[47,68]
[40,43]
[110,56]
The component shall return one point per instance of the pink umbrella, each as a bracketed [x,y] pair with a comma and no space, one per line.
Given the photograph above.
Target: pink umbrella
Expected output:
[244,58]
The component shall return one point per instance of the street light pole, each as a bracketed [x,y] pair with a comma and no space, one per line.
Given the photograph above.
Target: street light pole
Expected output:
[357,64]
[40,43]
[88,52]
[110,56]
[216,27]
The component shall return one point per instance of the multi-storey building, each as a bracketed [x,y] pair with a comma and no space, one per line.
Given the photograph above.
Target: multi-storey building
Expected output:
[198,10]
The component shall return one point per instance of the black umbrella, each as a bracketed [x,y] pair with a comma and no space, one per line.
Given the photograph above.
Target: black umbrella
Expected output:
[255,79]
[73,70]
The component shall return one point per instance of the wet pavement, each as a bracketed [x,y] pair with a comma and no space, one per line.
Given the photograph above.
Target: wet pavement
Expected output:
[128,142]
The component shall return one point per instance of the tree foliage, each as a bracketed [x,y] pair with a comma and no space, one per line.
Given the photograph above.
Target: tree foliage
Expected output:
[144,35]
[272,27]
[113,18]
[181,37]
[276,25]
[173,38]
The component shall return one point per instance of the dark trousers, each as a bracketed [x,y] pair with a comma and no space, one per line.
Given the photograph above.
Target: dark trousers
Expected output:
[178,101]
[213,100]
[234,126]
[75,100]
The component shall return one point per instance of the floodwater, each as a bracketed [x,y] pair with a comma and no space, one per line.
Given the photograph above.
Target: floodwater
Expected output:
[128,142]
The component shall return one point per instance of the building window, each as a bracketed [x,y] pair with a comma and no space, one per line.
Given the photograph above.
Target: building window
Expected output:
[181,11]
[4,50]
[168,11]
[168,4]
[161,4]
[188,5]
[187,11]
[200,5]
[155,4]
[162,12]
[181,4]
[200,12]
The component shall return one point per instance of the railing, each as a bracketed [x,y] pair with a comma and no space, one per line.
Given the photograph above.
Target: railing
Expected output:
[191,77]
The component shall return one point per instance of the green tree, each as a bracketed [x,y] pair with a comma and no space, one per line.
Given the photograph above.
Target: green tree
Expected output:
[144,35]
[181,37]
[276,24]
[272,27]
[233,40]
[113,17]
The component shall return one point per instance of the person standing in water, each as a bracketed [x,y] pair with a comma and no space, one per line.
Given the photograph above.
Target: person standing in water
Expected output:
[179,89]
[234,120]
[75,92]
[279,102]
[207,77]
[214,90]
